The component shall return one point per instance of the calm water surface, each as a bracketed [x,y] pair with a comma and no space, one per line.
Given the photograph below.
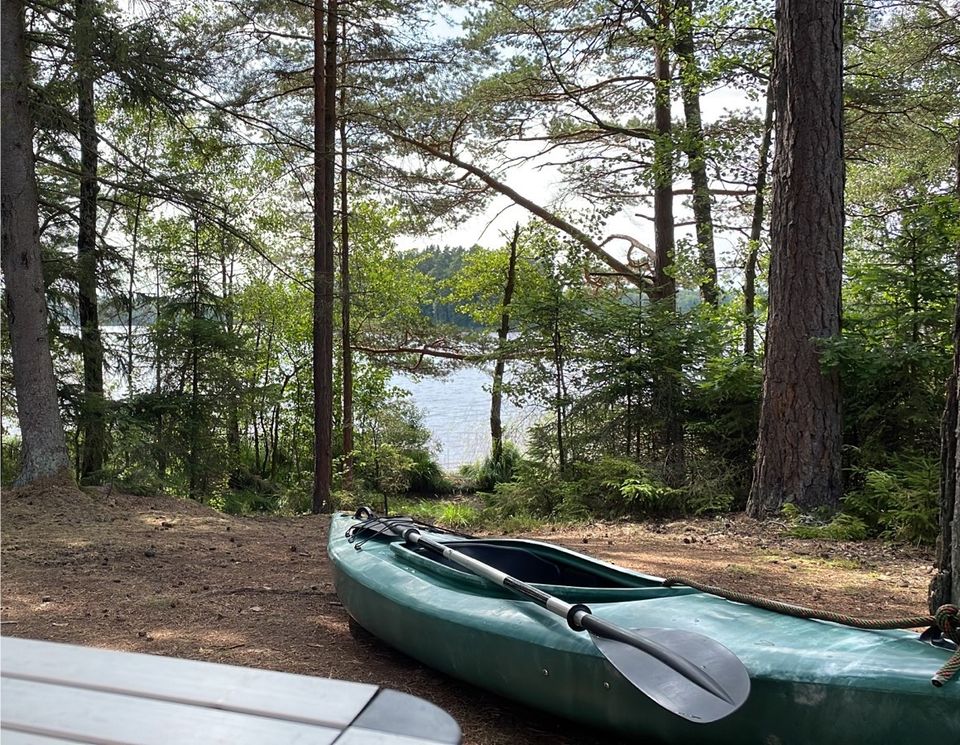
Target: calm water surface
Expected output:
[456,410]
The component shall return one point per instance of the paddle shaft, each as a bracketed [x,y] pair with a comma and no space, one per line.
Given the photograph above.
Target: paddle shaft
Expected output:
[578,616]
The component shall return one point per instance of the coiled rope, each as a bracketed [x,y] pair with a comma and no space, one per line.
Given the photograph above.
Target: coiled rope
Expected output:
[947,619]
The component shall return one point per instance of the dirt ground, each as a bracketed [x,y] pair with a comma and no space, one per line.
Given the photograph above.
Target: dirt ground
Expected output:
[172,577]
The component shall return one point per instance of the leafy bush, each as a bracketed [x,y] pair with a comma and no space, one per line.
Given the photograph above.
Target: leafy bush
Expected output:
[900,503]
[535,491]
[424,475]
[486,474]
[244,502]
[714,485]
[609,488]
[9,460]
[843,527]
[724,411]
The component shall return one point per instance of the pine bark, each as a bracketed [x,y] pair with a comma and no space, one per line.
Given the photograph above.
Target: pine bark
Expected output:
[798,449]
[324,79]
[44,448]
[93,413]
[346,350]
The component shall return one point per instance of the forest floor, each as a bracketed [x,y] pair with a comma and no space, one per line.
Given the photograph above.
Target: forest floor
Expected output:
[173,577]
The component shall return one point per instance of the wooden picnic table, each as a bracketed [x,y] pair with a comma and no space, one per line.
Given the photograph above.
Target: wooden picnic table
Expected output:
[52,694]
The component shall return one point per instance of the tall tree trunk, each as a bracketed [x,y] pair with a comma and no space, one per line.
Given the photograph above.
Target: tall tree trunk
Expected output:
[193,446]
[665,288]
[324,81]
[695,149]
[131,290]
[756,231]
[664,293]
[346,341]
[92,414]
[798,449]
[159,444]
[44,449]
[496,393]
[233,394]
[560,388]
[945,586]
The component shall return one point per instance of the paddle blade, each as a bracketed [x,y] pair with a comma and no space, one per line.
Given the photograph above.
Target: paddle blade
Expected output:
[671,689]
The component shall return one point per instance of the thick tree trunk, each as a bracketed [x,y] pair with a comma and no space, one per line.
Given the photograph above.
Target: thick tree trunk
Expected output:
[324,80]
[945,586]
[92,414]
[756,231]
[496,393]
[695,149]
[346,340]
[44,449]
[798,449]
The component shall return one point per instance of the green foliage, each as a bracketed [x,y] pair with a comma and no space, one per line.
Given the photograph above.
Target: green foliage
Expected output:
[895,351]
[843,527]
[392,454]
[456,514]
[723,417]
[899,503]
[9,459]
[424,475]
[485,475]
[609,488]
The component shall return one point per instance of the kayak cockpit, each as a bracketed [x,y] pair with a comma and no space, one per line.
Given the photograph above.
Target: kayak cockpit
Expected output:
[568,575]
[527,565]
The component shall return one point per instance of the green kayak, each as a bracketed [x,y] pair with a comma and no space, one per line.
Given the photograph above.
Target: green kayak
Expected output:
[809,681]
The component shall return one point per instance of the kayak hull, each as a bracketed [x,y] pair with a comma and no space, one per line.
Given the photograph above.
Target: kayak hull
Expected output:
[811,682]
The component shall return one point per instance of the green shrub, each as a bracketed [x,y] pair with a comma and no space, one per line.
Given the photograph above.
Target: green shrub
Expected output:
[486,474]
[9,460]
[424,475]
[456,514]
[843,527]
[713,485]
[899,503]
[609,488]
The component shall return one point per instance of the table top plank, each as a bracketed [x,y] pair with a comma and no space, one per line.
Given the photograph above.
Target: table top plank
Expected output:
[12,737]
[103,718]
[297,698]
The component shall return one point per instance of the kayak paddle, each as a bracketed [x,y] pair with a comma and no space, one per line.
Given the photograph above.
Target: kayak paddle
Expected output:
[686,673]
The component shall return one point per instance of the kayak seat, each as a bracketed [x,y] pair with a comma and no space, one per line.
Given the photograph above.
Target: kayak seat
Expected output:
[527,566]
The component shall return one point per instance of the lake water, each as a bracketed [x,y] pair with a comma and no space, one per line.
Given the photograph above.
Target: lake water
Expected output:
[455,407]
[456,410]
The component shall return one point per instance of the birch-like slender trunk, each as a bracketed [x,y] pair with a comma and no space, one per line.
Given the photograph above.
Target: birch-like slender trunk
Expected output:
[496,394]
